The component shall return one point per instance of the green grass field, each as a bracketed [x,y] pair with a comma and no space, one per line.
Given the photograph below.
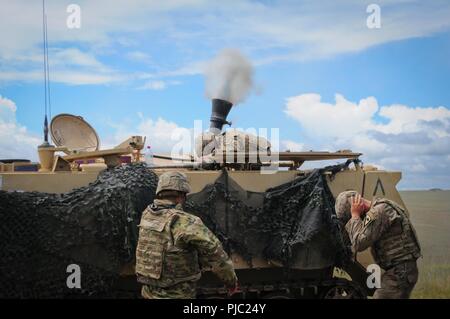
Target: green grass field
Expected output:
[430,214]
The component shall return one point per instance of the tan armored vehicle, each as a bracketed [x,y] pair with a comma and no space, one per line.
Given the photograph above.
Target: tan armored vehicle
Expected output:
[234,162]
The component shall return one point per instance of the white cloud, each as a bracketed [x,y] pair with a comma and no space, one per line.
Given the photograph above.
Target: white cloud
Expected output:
[192,68]
[162,135]
[70,77]
[66,65]
[407,119]
[409,139]
[139,56]
[347,118]
[292,146]
[370,145]
[418,168]
[7,103]
[73,56]
[101,20]
[157,85]
[192,30]
[15,140]
[105,27]
[154,85]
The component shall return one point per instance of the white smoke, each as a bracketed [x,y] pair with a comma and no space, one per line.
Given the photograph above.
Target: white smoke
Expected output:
[229,76]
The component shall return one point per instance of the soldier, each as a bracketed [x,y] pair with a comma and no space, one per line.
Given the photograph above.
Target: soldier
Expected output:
[174,246]
[385,227]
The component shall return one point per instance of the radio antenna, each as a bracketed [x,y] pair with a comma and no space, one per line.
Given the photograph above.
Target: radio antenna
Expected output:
[46,78]
[48,71]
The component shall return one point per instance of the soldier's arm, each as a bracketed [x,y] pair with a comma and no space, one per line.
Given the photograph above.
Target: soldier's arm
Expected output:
[211,254]
[365,232]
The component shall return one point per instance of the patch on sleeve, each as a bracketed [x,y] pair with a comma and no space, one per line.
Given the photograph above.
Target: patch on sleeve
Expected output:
[369,218]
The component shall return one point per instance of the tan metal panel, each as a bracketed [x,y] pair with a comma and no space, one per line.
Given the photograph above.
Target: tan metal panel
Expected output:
[346,180]
[254,181]
[199,179]
[46,182]
[382,184]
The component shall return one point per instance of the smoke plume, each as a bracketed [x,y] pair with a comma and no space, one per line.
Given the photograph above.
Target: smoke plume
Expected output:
[229,76]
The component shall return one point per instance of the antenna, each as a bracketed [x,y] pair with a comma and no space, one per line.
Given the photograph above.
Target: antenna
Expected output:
[46,78]
[48,71]
[46,151]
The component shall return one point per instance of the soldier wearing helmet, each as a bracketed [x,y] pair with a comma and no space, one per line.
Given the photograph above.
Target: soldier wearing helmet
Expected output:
[174,246]
[384,226]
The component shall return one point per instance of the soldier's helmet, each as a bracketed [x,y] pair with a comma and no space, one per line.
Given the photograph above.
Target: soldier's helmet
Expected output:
[343,205]
[173,181]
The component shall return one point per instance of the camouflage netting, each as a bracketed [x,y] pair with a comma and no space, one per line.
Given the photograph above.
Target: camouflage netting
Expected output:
[273,224]
[306,208]
[94,227]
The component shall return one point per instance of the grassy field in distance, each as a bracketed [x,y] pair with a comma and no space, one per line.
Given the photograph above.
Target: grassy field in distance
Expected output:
[430,214]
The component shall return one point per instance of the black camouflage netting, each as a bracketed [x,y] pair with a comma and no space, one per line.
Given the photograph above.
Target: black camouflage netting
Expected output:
[94,227]
[306,208]
[272,224]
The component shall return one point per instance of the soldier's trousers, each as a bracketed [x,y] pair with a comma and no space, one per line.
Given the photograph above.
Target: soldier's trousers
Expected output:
[398,281]
[184,290]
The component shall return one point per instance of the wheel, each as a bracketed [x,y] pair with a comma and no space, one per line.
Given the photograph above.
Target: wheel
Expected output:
[343,291]
[278,295]
[214,297]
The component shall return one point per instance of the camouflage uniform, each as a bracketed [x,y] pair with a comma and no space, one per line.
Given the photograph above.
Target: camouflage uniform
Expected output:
[174,247]
[388,231]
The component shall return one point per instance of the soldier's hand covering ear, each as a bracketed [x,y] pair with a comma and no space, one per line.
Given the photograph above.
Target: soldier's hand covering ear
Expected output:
[357,206]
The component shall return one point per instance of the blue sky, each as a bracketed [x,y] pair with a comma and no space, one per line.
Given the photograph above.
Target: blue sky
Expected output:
[320,75]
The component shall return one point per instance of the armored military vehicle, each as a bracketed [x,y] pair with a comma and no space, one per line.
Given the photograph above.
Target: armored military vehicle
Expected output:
[279,225]
[68,224]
